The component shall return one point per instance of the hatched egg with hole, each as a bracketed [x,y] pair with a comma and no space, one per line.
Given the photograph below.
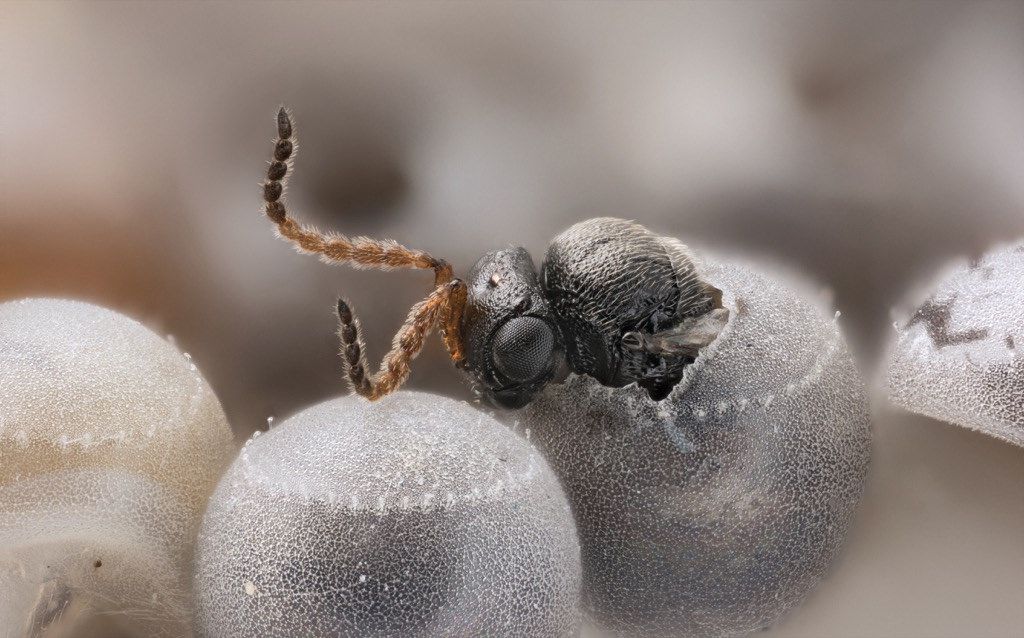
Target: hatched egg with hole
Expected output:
[716,510]
[959,356]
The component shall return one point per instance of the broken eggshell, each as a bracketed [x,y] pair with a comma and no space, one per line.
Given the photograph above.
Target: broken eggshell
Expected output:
[959,356]
[110,441]
[717,510]
[413,516]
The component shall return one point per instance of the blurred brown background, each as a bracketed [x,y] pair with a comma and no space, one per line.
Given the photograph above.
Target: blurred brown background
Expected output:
[862,144]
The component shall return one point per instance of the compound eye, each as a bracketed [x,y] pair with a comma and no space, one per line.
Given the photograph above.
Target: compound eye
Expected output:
[523,348]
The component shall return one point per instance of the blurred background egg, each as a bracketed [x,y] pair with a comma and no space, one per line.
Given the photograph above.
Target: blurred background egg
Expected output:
[957,356]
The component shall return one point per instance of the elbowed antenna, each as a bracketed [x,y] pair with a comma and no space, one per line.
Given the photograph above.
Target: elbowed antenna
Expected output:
[443,308]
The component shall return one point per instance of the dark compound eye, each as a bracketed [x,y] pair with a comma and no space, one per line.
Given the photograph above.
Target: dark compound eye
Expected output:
[522,348]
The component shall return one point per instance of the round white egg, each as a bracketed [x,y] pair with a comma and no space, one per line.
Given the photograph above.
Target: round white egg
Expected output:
[110,442]
[413,516]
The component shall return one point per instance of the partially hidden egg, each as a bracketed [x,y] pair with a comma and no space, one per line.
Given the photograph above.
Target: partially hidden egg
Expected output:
[110,442]
[959,356]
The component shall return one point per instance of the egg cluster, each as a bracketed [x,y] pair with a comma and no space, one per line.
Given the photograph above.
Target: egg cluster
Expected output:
[710,513]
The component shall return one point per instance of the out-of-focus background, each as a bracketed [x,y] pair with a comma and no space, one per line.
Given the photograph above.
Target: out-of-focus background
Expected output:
[862,144]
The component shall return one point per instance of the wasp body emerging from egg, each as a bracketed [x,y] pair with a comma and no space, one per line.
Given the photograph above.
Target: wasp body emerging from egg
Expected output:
[613,301]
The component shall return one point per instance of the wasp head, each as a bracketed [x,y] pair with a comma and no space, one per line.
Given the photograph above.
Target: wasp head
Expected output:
[512,341]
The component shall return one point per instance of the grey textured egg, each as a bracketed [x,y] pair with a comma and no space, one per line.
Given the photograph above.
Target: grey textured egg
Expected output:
[716,510]
[960,356]
[413,516]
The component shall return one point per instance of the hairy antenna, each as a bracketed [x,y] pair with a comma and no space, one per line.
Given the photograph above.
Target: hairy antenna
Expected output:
[442,308]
